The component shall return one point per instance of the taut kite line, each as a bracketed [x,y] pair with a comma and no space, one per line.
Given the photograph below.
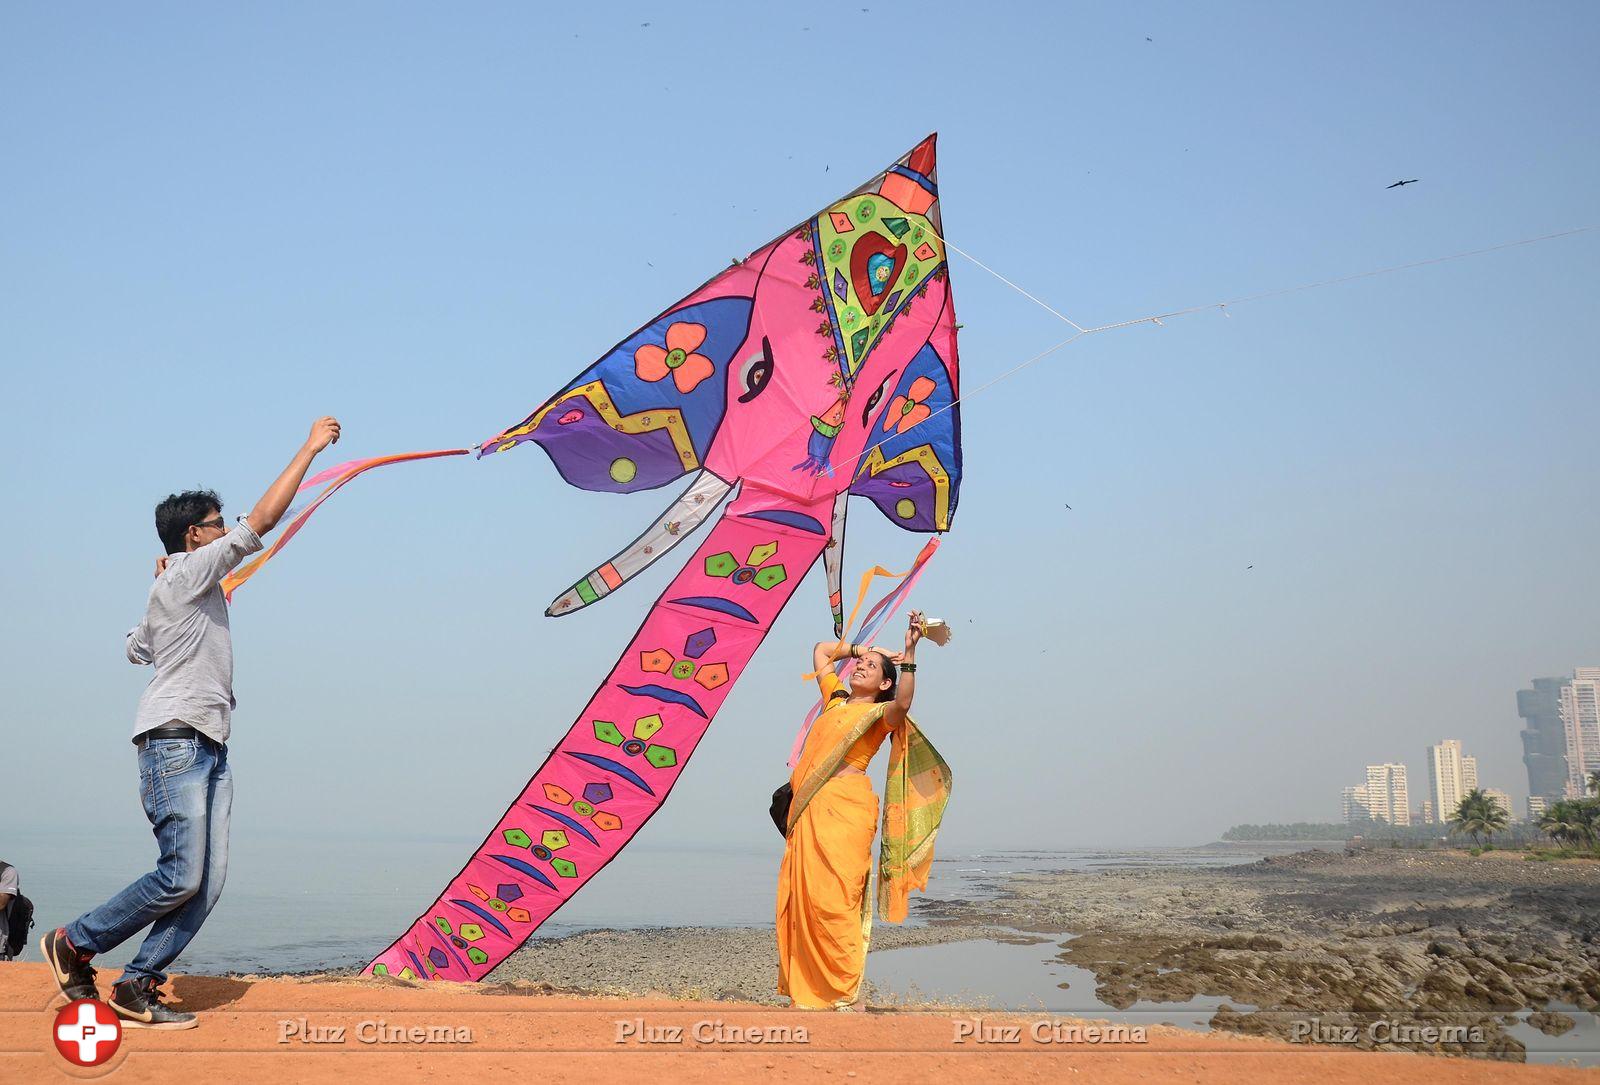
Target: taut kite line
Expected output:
[833,345]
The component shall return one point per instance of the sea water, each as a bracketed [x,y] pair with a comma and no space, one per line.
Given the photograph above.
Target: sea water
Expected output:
[294,904]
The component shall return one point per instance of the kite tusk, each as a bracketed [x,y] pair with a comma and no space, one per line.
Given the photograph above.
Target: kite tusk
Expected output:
[680,520]
[833,561]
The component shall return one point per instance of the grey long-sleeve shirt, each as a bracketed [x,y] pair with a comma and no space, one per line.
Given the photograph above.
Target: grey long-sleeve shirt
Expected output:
[185,635]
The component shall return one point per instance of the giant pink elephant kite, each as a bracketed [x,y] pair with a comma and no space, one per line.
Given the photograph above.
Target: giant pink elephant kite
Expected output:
[820,366]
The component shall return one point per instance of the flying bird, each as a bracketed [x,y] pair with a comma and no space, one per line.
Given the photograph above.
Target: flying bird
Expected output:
[1397,184]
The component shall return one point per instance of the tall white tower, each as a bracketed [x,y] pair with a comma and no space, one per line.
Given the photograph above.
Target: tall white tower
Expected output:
[1580,721]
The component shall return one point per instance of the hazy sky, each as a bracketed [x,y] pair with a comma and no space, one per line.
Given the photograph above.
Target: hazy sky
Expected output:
[217,223]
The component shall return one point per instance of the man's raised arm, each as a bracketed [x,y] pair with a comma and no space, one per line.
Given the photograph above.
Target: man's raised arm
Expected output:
[275,502]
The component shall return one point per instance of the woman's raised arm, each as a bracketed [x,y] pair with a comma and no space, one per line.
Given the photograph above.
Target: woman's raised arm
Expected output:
[905,687]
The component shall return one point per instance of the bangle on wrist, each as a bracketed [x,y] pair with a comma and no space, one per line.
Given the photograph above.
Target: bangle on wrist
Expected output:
[908,668]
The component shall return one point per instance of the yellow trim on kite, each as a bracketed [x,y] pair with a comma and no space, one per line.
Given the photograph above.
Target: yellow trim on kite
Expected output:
[641,422]
[874,464]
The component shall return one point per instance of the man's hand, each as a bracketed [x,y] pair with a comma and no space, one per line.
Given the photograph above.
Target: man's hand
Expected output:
[324,432]
[161,565]
[275,502]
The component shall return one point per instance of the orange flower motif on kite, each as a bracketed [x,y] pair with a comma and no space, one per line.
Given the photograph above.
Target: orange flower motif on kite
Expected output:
[652,362]
[908,410]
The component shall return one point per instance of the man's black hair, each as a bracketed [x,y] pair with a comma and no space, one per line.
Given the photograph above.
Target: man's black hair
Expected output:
[179,512]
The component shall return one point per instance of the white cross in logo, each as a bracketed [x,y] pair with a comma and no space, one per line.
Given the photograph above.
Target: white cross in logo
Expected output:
[88,1032]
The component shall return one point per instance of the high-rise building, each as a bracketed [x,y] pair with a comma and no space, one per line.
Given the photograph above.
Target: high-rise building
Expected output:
[1536,808]
[1469,775]
[1446,777]
[1544,738]
[1353,804]
[1427,813]
[1387,798]
[1500,797]
[1580,723]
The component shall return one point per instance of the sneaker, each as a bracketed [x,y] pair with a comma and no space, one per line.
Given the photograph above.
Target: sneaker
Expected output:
[138,1003]
[68,966]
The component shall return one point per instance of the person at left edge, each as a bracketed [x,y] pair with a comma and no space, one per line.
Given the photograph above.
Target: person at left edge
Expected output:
[182,730]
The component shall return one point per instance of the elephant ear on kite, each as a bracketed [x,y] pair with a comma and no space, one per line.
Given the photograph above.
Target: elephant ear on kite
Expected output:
[911,466]
[647,412]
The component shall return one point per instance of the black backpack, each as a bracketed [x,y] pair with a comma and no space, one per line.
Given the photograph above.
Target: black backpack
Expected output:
[19,920]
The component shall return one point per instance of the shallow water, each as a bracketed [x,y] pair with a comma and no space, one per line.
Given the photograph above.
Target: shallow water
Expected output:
[1001,975]
[1027,978]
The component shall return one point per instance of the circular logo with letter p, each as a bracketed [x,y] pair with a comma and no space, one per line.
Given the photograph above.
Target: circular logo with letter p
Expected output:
[86,1032]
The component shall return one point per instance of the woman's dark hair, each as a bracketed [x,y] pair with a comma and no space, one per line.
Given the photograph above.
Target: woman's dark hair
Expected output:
[179,512]
[889,672]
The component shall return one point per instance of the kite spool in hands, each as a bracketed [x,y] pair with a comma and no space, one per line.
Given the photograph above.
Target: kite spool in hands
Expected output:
[937,630]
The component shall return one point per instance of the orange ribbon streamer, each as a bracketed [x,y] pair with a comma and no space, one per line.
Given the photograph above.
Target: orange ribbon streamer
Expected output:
[341,474]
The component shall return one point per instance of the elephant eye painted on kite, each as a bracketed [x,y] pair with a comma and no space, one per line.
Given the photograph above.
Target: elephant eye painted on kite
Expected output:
[822,365]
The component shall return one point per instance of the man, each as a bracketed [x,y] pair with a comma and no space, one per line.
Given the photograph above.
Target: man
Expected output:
[9,890]
[182,731]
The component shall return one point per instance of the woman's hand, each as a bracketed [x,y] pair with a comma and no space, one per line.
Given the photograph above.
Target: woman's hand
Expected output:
[913,634]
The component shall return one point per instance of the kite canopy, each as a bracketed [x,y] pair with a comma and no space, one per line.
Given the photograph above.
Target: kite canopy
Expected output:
[823,364]
[766,372]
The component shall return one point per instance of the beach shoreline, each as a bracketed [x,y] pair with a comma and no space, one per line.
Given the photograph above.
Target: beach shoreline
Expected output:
[1441,951]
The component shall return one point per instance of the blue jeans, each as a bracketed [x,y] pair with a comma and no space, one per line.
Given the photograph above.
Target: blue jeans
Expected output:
[187,790]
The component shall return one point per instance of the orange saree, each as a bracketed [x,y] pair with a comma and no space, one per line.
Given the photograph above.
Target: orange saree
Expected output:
[824,911]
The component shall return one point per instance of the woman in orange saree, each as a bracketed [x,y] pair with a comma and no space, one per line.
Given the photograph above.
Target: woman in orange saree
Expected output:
[824,919]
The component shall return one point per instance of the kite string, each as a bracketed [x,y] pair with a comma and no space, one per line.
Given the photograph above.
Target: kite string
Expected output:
[1158,318]
[1047,308]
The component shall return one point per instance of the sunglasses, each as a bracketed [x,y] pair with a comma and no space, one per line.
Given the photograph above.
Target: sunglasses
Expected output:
[218,523]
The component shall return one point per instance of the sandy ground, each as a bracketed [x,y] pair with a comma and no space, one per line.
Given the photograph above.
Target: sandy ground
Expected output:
[252,1030]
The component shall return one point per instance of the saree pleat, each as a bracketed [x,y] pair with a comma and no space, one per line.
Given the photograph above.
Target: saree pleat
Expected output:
[822,888]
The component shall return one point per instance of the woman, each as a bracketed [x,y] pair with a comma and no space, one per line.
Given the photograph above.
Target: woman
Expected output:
[824,911]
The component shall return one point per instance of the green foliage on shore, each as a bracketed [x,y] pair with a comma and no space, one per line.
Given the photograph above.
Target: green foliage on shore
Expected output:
[1299,830]
[1545,855]
[1479,817]
[1379,833]
[1575,823]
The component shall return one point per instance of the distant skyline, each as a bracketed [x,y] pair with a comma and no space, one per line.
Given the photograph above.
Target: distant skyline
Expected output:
[1324,529]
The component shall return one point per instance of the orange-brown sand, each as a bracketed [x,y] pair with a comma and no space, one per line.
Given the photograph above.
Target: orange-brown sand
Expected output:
[255,1030]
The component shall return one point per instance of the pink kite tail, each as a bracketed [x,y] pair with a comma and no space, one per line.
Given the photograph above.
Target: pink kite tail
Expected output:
[876,616]
[340,475]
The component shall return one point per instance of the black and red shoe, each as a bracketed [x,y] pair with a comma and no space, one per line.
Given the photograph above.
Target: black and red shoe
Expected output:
[68,965]
[137,1001]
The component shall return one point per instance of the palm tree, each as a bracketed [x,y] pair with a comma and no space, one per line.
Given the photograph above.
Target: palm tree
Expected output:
[1594,782]
[1586,814]
[1478,815]
[1563,823]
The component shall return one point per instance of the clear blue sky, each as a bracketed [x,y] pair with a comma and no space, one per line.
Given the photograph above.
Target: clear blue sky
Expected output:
[219,222]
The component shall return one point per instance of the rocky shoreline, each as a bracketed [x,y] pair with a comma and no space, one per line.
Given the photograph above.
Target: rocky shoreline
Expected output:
[1437,949]
[1392,949]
